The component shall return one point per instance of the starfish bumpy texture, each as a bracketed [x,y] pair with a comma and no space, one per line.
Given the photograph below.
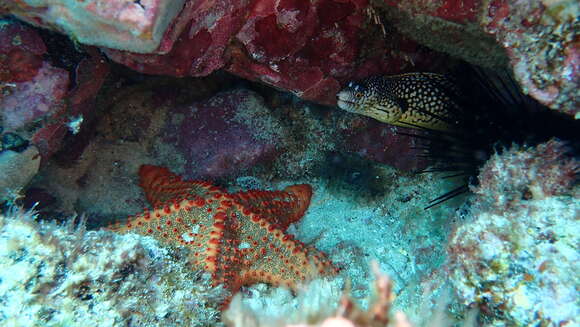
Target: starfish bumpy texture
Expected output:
[239,238]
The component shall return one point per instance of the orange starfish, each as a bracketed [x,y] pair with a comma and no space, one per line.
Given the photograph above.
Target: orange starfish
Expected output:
[239,238]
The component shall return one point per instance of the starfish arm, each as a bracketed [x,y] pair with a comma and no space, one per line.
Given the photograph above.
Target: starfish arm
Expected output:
[281,208]
[161,185]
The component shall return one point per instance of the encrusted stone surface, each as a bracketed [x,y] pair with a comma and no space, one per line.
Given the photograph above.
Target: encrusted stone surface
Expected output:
[515,254]
[136,26]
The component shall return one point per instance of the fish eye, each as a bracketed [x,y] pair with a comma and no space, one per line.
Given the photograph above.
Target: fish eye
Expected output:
[358,95]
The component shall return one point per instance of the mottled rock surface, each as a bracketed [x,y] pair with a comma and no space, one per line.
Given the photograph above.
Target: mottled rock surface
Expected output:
[17,169]
[127,25]
[515,256]
[63,275]
[40,100]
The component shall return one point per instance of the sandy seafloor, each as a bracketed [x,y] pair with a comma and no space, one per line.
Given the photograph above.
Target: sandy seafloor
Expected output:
[392,229]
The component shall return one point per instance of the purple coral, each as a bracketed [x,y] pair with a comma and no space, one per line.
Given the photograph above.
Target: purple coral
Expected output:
[223,136]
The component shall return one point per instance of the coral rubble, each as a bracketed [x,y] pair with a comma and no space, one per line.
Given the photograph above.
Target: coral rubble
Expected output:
[133,26]
[516,255]
[53,275]
[318,305]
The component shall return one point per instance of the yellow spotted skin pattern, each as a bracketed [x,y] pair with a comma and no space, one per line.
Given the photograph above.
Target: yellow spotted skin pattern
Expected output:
[419,100]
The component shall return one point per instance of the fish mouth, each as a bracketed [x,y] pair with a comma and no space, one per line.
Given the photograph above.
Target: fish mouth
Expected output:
[344,102]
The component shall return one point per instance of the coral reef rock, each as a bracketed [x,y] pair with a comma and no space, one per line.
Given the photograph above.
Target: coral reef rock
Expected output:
[223,136]
[21,50]
[54,275]
[32,88]
[32,100]
[40,99]
[136,26]
[516,255]
[308,48]
[17,169]
[311,48]
[383,143]
[319,305]
[539,38]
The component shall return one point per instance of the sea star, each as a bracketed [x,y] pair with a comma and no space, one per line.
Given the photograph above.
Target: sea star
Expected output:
[239,238]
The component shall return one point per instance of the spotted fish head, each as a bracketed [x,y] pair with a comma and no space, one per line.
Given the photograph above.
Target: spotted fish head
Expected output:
[366,98]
